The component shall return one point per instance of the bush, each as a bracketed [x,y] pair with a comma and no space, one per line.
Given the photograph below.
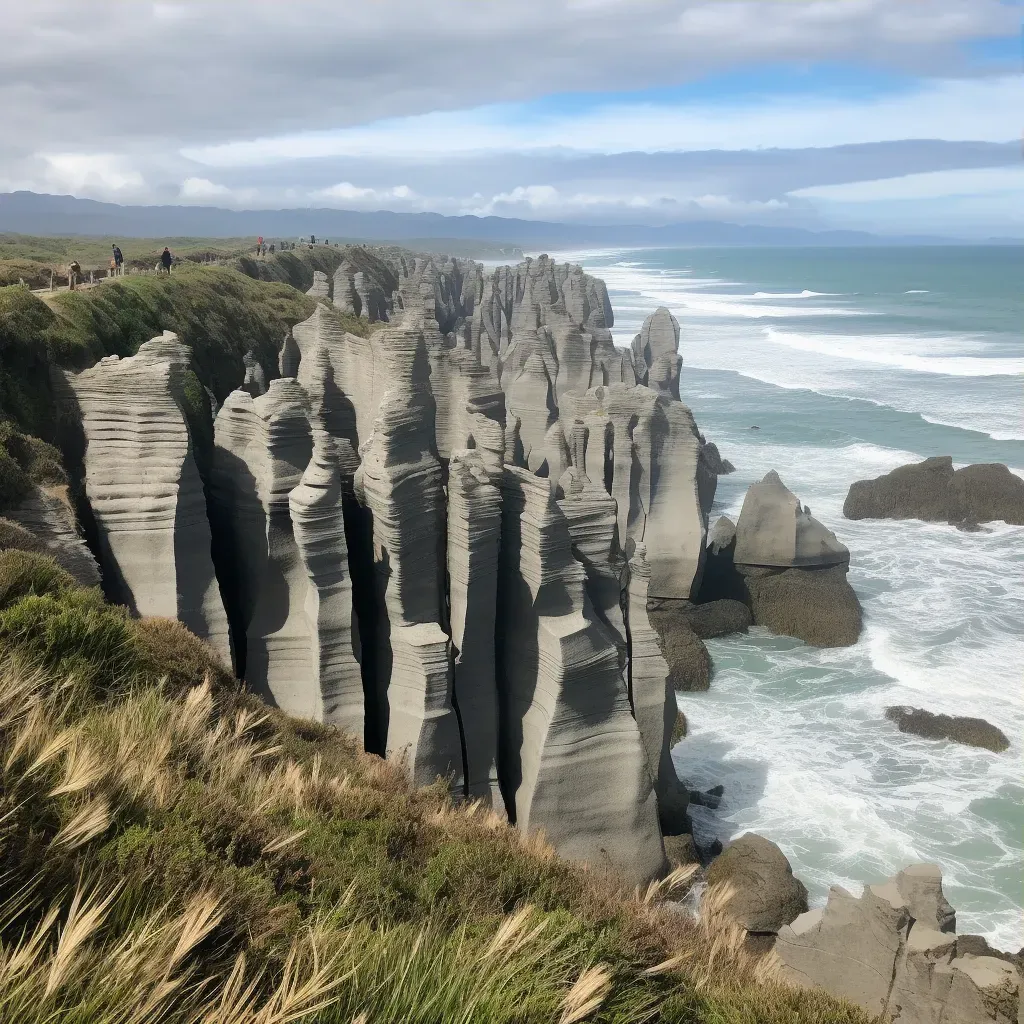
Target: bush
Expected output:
[73,633]
[14,537]
[168,650]
[24,574]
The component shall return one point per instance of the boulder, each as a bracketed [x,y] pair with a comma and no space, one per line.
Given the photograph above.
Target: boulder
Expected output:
[775,530]
[764,894]
[785,566]
[817,606]
[681,850]
[972,732]
[933,492]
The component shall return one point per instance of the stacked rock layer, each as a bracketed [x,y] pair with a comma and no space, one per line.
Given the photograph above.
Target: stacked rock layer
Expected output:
[442,537]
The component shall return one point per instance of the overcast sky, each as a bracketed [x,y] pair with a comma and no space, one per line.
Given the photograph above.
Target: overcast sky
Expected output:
[886,115]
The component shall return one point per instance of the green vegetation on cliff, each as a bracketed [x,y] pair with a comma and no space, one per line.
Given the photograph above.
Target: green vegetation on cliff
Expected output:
[174,850]
[220,312]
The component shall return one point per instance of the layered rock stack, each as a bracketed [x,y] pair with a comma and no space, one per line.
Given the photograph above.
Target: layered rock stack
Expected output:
[144,491]
[445,536]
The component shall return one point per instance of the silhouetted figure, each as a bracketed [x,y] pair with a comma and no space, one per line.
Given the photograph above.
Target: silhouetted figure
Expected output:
[166,259]
[74,273]
[118,259]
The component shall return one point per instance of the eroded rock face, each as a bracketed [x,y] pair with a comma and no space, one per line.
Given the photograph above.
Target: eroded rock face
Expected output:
[785,566]
[932,491]
[573,763]
[447,535]
[895,951]
[144,490]
[48,526]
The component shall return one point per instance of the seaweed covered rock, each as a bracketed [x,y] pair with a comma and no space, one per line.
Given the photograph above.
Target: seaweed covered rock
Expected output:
[972,732]
[689,664]
[934,492]
[718,618]
[762,893]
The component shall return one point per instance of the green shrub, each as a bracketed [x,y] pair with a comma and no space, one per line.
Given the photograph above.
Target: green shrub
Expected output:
[24,574]
[14,536]
[168,650]
[73,633]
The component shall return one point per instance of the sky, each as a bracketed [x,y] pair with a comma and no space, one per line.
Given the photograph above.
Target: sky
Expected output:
[893,116]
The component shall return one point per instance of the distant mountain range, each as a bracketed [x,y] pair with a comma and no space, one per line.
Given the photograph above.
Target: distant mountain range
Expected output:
[34,214]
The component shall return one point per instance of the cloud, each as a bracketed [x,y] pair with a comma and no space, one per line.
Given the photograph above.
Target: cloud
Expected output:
[955,110]
[929,185]
[348,193]
[190,73]
[76,172]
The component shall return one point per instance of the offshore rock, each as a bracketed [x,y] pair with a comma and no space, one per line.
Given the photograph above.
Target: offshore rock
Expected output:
[144,490]
[932,491]
[572,760]
[972,732]
[688,660]
[775,530]
[787,567]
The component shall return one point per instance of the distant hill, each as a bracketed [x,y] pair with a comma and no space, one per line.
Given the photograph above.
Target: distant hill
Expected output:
[31,213]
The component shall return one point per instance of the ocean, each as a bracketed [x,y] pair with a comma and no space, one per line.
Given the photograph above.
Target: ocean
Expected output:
[851,362]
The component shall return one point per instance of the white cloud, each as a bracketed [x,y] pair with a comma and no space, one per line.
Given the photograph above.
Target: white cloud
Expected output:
[955,110]
[928,185]
[76,172]
[202,188]
[347,192]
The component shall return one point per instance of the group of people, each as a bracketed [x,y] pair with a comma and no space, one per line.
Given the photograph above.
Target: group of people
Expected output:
[262,249]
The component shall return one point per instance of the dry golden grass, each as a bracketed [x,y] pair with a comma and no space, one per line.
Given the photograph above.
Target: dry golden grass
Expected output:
[196,857]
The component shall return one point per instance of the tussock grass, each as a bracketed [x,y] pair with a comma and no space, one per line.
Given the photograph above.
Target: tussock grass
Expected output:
[178,851]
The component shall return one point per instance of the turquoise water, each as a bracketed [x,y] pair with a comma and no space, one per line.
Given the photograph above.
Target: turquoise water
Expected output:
[850,363]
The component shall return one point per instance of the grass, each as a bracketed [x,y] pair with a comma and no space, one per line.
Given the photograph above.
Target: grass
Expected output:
[174,850]
[220,312]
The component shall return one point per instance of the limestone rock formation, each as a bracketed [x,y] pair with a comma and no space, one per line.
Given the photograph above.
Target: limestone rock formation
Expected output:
[787,567]
[400,481]
[775,530]
[48,526]
[144,490]
[764,894]
[321,288]
[932,491]
[474,536]
[656,353]
[895,951]
[973,732]
[573,763]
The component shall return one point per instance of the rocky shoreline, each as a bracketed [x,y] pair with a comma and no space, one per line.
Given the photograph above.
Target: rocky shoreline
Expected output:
[479,540]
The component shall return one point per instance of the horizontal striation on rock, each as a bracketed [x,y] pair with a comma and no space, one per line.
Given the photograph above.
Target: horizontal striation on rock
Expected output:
[144,490]
[571,759]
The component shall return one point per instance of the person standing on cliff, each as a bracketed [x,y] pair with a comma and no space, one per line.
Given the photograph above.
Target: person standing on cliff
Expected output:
[259,246]
[118,259]
[166,259]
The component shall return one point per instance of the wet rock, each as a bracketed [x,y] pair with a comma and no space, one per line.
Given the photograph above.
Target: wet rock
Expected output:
[681,850]
[718,618]
[972,732]
[689,663]
[764,894]
[933,492]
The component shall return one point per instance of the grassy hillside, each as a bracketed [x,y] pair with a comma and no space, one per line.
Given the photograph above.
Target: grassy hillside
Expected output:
[220,312]
[176,851]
